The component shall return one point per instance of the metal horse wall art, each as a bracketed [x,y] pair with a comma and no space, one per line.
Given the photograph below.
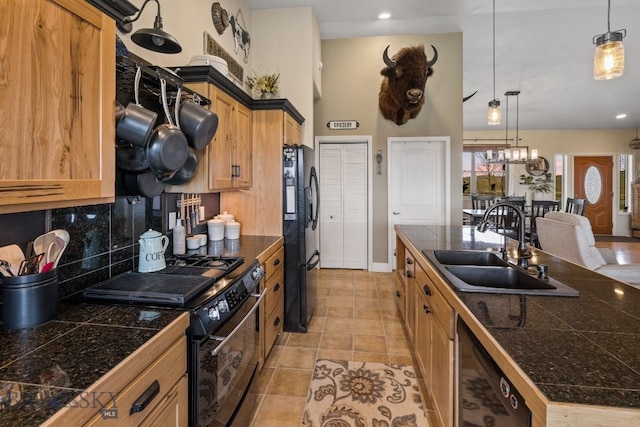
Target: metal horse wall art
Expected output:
[405,76]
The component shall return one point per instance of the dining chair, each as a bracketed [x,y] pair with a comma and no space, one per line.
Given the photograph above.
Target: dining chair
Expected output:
[539,208]
[506,220]
[575,206]
[481,201]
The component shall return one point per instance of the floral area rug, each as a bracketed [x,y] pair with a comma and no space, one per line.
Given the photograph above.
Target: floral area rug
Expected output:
[363,394]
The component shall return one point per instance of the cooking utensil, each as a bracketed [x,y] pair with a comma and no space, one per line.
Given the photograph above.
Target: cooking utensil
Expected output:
[5,266]
[62,241]
[42,243]
[13,255]
[30,265]
[136,124]
[167,149]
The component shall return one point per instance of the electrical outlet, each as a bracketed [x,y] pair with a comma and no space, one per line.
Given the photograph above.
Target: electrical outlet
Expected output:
[172,220]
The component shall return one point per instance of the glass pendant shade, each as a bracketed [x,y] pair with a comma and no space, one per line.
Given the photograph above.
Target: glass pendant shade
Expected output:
[494,116]
[608,59]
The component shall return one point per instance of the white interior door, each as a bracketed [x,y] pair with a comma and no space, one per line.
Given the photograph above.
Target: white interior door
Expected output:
[418,183]
[343,201]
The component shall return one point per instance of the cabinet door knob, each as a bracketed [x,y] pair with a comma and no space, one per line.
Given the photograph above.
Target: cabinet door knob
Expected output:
[427,290]
[276,288]
[409,261]
[276,262]
[426,309]
[398,294]
[409,275]
[277,321]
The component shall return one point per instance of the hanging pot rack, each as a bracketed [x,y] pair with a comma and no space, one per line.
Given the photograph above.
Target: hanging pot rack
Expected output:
[150,83]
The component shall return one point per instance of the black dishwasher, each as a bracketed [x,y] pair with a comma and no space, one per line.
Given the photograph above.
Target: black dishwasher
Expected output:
[485,396]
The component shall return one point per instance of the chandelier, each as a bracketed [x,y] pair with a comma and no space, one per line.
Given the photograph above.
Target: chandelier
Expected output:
[515,154]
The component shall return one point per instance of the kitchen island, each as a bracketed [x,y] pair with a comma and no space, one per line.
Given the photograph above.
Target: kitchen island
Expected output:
[93,358]
[574,360]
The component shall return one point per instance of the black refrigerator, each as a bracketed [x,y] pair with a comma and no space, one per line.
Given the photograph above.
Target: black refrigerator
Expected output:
[301,255]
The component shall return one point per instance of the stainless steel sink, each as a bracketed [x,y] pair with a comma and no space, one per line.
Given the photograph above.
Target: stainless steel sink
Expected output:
[482,271]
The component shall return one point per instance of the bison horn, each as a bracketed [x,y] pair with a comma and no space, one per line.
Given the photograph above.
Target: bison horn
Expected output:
[385,56]
[435,57]
[466,98]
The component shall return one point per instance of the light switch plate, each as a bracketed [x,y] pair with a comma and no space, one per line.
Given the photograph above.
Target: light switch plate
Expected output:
[172,220]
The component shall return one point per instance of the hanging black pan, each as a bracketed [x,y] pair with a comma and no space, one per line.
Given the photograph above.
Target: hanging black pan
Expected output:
[167,149]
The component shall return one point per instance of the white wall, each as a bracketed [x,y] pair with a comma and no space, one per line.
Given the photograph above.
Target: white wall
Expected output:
[283,42]
[187,20]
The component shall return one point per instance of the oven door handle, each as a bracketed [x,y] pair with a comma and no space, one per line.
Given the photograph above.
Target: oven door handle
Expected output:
[226,339]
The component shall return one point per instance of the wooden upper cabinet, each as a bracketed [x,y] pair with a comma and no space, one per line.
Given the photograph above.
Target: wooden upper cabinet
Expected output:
[57,104]
[225,164]
[243,148]
[292,131]
[221,148]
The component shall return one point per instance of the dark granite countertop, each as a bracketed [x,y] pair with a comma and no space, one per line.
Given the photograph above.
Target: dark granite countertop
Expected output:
[45,367]
[580,350]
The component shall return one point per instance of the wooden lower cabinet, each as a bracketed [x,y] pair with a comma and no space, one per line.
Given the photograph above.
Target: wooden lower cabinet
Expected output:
[429,321]
[172,410]
[154,375]
[400,295]
[272,311]
[434,346]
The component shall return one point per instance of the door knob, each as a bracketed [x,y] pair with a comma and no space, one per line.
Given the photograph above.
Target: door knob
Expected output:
[396,213]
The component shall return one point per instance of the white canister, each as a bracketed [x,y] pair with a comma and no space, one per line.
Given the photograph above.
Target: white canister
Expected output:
[193,242]
[203,239]
[226,216]
[232,230]
[215,228]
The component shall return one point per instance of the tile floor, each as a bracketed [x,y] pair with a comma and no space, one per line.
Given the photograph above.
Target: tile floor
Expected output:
[355,319]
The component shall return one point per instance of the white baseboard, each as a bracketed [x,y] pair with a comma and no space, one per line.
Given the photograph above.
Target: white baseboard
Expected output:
[379,267]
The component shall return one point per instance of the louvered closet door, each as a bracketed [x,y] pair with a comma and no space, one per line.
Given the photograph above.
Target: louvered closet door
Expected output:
[343,205]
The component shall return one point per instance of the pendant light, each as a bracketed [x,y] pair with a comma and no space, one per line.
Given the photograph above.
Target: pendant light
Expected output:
[155,39]
[493,113]
[608,59]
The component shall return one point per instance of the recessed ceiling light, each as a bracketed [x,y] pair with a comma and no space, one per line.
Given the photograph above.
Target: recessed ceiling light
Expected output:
[384,15]
[621,116]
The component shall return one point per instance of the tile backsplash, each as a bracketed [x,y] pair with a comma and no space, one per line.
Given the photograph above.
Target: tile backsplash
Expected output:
[104,238]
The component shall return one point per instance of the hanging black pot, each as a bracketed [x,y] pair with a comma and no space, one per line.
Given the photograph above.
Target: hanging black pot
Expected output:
[131,158]
[187,171]
[143,184]
[167,149]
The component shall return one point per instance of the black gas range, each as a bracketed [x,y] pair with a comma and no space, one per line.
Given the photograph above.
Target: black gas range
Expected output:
[221,295]
[209,287]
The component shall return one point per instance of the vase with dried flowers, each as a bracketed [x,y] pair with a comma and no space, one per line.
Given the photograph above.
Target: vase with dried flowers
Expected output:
[264,85]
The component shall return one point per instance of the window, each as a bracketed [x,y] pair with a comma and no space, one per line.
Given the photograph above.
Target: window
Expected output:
[625,165]
[480,177]
[558,167]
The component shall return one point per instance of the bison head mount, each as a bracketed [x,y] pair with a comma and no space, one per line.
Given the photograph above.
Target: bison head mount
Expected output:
[401,94]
